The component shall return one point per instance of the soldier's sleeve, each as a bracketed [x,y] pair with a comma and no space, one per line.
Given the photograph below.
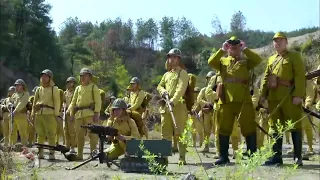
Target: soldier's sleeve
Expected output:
[200,97]
[253,58]
[211,95]
[109,122]
[57,99]
[264,82]
[138,102]
[310,95]
[134,130]
[36,95]
[161,86]
[23,102]
[299,76]
[214,60]
[97,100]
[73,101]
[181,87]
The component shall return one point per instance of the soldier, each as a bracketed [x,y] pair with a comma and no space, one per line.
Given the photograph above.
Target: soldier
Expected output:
[60,132]
[31,124]
[127,129]
[234,94]
[284,87]
[197,124]
[70,132]
[174,84]
[109,109]
[206,112]
[45,111]
[137,95]
[19,101]
[5,115]
[85,108]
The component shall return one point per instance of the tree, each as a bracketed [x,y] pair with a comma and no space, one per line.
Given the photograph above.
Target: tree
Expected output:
[238,22]
[167,33]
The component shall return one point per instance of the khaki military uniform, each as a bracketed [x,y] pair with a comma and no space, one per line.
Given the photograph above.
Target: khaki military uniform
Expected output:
[31,126]
[176,88]
[197,125]
[127,128]
[81,107]
[60,132]
[45,109]
[5,123]
[70,132]
[20,123]
[135,100]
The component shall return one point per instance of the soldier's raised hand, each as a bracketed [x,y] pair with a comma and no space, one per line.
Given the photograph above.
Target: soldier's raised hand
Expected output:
[243,45]
[225,46]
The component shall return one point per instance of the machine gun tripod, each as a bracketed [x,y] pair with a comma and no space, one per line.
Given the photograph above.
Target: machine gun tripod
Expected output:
[102,132]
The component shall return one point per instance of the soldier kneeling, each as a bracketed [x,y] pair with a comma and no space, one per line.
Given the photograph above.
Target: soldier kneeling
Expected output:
[126,126]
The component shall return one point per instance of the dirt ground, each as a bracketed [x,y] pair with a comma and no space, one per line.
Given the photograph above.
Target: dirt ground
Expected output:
[55,170]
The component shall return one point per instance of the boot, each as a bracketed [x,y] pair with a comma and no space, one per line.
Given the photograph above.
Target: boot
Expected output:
[224,147]
[206,148]
[297,145]
[276,159]
[251,144]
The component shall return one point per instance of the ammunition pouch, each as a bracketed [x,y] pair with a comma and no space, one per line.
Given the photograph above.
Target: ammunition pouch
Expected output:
[274,81]
[77,108]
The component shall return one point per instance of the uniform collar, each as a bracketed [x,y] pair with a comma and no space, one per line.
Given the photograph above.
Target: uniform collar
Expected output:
[283,54]
[175,69]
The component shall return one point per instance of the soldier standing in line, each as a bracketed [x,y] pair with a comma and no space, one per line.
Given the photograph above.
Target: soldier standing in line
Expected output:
[174,84]
[5,114]
[45,111]
[284,86]
[85,108]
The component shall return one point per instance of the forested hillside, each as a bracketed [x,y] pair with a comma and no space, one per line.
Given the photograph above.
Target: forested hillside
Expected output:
[116,49]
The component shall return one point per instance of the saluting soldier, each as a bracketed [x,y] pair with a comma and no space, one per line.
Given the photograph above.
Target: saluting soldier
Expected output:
[45,111]
[234,94]
[174,84]
[5,115]
[85,108]
[284,87]
[70,132]
[19,101]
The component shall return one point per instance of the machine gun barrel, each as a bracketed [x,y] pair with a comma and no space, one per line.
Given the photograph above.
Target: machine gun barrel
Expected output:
[313,74]
[101,130]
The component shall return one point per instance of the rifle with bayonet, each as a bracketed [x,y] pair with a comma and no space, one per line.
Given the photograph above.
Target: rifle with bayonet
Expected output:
[167,101]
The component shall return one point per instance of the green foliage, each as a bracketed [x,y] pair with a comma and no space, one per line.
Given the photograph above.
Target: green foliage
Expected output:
[115,49]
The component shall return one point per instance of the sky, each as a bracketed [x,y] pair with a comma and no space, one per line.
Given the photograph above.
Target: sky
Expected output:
[267,15]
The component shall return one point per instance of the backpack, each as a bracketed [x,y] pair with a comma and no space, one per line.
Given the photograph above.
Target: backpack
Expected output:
[146,100]
[189,94]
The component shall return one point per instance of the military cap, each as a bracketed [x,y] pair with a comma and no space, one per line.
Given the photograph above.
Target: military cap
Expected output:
[85,71]
[47,72]
[135,80]
[12,88]
[71,79]
[210,74]
[196,89]
[279,35]
[175,52]
[119,103]
[234,40]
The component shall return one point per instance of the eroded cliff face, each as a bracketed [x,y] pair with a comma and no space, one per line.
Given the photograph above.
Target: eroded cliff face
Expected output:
[8,77]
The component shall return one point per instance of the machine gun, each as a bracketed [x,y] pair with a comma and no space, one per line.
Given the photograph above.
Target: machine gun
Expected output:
[102,132]
[313,74]
[64,150]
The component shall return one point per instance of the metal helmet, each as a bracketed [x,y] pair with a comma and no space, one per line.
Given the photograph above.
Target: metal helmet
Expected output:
[47,72]
[196,89]
[20,81]
[119,103]
[113,98]
[135,80]
[71,79]
[35,89]
[175,52]
[210,74]
[85,71]
[12,88]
